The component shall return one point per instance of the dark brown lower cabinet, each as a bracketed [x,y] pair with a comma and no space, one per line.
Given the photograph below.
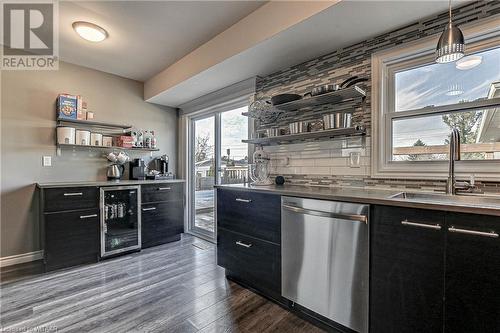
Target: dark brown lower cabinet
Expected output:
[472,274]
[407,270]
[161,223]
[254,261]
[71,238]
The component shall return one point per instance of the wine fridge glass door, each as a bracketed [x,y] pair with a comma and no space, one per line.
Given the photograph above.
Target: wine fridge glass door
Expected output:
[120,219]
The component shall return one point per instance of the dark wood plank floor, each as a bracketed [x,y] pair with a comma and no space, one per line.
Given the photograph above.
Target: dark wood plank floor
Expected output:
[176,287]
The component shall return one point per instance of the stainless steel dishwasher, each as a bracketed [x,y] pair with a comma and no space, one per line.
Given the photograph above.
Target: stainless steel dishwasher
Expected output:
[325,258]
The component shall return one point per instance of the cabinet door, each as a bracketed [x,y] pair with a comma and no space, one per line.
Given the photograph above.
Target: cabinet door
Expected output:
[250,213]
[71,238]
[407,270]
[256,262]
[472,274]
[162,223]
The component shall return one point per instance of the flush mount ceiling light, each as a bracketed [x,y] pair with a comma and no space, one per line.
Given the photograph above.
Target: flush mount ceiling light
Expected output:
[90,31]
[451,45]
[468,62]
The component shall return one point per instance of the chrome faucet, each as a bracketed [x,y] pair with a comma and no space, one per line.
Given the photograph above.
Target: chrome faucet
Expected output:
[451,184]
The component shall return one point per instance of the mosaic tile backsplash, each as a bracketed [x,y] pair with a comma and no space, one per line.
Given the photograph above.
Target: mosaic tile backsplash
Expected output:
[346,162]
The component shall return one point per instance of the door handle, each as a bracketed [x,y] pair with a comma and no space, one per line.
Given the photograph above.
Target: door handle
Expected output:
[72,194]
[163,188]
[149,208]
[243,200]
[350,217]
[243,244]
[491,234]
[88,216]
[421,225]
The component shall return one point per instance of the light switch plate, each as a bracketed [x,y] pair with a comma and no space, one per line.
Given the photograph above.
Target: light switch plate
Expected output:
[47,161]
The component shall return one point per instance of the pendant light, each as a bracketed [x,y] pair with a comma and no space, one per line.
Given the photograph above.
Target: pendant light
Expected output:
[451,45]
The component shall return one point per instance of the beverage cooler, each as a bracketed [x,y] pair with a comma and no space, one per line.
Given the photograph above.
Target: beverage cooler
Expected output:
[120,219]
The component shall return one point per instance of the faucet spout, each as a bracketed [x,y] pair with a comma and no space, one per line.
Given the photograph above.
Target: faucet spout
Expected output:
[454,156]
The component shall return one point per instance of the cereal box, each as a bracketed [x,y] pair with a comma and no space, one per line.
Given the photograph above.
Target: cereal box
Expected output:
[66,106]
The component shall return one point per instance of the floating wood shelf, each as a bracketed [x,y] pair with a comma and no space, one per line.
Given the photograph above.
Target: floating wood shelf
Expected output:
[331,133]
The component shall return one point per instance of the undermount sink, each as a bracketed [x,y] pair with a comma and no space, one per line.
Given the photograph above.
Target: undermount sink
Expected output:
[446,198]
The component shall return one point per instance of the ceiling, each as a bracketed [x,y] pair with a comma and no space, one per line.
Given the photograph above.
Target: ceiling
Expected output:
[144,36]
[340,25]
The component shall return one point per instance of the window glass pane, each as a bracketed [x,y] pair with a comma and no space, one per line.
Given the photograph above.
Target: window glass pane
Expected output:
[466,80]
[427,138]
[234,153]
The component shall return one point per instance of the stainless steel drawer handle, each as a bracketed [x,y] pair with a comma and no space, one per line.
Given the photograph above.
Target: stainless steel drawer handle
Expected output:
[149,208]
[421,225]
[243,244]
[243,200]
[164,188]
[349,217]
[491,234]
[88,216]
[73,194]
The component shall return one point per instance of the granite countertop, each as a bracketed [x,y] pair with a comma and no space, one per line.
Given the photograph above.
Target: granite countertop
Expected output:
[106,183]
[437,201]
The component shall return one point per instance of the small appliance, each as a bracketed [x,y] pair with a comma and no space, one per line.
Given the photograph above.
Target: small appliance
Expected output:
[115,171]
[137,169]
[259,170]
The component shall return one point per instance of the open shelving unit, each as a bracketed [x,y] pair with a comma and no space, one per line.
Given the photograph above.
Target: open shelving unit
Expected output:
[334,97]
[105,127]
[330,133]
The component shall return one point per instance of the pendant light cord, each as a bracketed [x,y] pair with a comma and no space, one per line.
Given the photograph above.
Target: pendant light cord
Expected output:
[449,10]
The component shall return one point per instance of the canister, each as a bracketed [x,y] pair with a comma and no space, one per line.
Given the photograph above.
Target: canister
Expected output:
[66,135]
[96,139]
[83,137]
[107,141]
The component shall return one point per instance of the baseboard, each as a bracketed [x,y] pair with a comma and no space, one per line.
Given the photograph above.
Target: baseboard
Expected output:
[21,258]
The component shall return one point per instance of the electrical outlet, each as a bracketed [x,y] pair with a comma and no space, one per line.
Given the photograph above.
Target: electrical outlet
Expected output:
[47,161]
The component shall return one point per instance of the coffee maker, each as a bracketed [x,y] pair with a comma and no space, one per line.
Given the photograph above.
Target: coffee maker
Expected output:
[138,169]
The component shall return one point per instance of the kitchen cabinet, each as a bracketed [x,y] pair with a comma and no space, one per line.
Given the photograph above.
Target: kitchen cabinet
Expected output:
[162,212]
[249,238]
[72,238]
[70,226]
[472,274]
[407,270]
[434,271]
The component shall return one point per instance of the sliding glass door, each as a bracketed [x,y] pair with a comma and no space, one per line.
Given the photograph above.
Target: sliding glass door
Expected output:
[217,156]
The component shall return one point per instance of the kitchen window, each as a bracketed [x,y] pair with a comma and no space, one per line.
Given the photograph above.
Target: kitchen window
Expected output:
[416,104]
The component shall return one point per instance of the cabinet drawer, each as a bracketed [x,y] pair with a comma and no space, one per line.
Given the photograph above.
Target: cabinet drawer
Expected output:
[161,222]
[250,213]
[256,262]
[71,238]
[408,217]
[162,192]
[70,198]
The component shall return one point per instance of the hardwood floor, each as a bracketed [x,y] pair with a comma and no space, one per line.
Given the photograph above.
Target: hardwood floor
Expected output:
[175,287]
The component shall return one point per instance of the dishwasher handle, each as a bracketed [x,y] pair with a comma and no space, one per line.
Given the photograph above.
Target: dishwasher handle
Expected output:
[342,216]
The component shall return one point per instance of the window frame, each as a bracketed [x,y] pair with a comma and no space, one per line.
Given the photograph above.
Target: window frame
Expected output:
[479,36]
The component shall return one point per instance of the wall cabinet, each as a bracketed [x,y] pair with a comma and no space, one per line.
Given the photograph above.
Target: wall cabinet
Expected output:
[433,271]
[249,238]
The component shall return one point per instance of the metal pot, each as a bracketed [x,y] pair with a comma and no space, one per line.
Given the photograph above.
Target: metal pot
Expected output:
[337,120]
[326,88]
[298,127]
[115,171]
[272,132]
